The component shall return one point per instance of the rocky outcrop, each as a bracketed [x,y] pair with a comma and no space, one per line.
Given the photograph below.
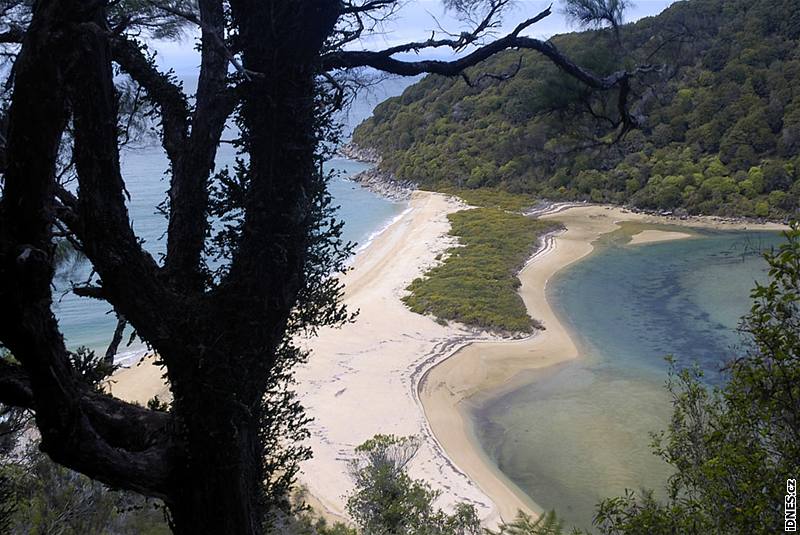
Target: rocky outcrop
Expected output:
[351,151]
[384,184]
[375,179]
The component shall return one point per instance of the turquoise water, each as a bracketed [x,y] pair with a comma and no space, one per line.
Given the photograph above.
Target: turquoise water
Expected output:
[580,432]
[87,322]
[90,323]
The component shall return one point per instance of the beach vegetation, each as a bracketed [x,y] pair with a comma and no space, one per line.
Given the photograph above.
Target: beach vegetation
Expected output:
[734,447]
[386,500]
[476,283]
[493,198]
[253,250]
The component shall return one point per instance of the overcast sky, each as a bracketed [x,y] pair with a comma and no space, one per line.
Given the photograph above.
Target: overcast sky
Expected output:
[415,21]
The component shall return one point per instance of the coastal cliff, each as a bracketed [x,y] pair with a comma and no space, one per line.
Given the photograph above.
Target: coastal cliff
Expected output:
[375,179]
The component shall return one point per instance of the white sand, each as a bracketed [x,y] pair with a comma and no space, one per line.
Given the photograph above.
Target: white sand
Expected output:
[653,236]
[364,378]
[361,379]
[139,383]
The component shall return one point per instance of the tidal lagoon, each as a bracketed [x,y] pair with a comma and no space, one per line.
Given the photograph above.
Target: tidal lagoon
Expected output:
[579,431]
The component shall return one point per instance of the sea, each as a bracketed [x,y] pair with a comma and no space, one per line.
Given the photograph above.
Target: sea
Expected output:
[581,431]
[90,323]
[578,432]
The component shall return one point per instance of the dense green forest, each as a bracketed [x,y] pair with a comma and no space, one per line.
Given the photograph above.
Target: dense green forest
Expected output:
[722,130]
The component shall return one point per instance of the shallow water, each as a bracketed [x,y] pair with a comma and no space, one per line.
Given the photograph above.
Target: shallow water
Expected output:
[581,432]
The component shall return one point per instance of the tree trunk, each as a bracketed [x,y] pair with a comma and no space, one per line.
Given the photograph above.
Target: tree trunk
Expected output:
[218,489]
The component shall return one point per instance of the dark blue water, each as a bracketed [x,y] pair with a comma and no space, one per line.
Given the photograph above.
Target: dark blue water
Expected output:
[580,432]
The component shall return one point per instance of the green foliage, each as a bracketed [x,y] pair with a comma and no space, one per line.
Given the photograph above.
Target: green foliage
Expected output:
[11,421]
[52,499]
[632,515]
[40,496]
[733,447]
[595,12]
[8,505]
[387,501]
[493,198]
[723,134]
[477,283]
[546,524]
[92,369]
[304,521]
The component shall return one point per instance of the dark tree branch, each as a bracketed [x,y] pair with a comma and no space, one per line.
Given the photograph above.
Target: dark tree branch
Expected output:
[129,429]
[124,425]
[192,153]
[116,339]
[71,422]
[93,292]
[15,386]
[13,35]
[216,38]
[383,60]
[188,194]
[160,90]
[500,77]
[349,8]
[130,276]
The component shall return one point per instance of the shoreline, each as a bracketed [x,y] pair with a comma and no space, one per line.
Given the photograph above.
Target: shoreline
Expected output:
[391,355]
[484,370]
[380,359]
[373,235]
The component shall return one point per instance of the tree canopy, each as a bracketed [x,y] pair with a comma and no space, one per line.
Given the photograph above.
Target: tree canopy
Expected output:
[251,251]
[719,130]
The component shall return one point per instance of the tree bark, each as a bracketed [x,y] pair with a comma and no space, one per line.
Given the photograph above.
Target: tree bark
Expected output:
[218,488]
[220,345]
[220,407]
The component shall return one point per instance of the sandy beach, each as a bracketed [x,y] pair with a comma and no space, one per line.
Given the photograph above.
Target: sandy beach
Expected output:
[362,379]
[396,372]
[491,368]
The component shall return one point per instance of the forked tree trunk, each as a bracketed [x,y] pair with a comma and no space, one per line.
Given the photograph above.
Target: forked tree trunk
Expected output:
[281,44]
[218,489]
[205,459]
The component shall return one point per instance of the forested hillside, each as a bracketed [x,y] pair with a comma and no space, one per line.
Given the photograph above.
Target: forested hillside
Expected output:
[722,130]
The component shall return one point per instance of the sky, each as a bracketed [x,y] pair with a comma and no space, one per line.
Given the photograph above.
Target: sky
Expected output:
[415,21]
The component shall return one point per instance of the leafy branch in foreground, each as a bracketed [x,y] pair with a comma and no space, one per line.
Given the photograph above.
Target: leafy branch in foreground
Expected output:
[386,500]
[733,447]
